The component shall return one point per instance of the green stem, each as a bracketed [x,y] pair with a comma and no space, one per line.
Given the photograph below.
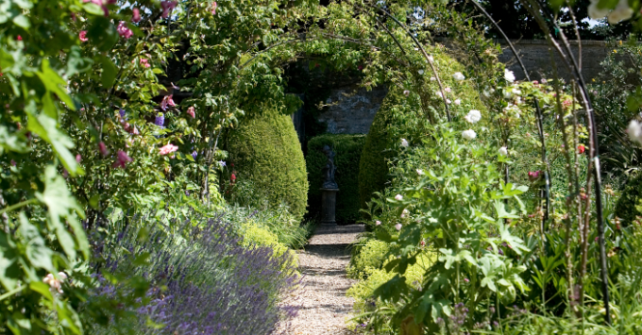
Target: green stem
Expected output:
[12,292]
[16,206]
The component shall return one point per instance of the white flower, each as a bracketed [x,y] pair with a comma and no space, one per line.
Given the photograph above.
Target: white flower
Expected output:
[448,101]
[398,197]
[543,81]
[55,284]
[473,116]
[406,92]
[404,143]
[459,76]
[458,102]
[635,131]
[621,12]
[509,75]
[433,78]
[404,213]
[508,94]
[431,59]
[398,226]
[503,151]
[421,72]
[447,90]
[439,94]
[420,172]
[596,13]
[469,134]
[378,223]
[516,91]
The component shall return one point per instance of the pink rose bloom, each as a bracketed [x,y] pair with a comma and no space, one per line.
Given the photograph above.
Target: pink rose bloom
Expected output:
[103,149]
[214,6]
[168,149]
[136,15]
[191,111]
[83,36]
[78,158]
[167,7]
[123,31]
[121,160]
[398,226]
[167,102]
[145,62]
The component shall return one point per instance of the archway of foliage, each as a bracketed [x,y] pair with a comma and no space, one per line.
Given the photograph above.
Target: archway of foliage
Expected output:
[118,107]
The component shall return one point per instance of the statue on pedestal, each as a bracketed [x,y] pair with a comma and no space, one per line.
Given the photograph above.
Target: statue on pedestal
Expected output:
[329,169]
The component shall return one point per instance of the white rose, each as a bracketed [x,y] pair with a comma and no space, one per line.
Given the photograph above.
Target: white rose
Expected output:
[458,102]
[635,131]
[509,75]
[503,151]
[398,197]
[473,116]
[469,134]
[404,143]
[459,76]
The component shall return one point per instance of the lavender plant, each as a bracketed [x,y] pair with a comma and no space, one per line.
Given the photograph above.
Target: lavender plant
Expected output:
[203,282]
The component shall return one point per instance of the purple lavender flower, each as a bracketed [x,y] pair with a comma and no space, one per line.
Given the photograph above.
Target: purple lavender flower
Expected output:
[222,163]
[123,113]
[160,120]
[194,154]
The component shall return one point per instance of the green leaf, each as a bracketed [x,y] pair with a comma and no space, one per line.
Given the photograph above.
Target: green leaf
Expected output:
[41,288]
[54,83]
[94,9]
[36,249]
[500,209]
[110,71]
[11,142]
[9,269]
[22,21]
[60,203]
[45,127]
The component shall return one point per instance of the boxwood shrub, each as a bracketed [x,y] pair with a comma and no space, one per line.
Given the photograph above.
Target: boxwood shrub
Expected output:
[348,150]
[265,151]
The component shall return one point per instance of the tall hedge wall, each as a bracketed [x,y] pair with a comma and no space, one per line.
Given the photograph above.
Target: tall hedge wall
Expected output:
[401,116]
[625,208]
[348,150]
[265,151]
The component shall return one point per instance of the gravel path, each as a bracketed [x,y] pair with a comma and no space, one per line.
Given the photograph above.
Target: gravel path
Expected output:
[323,307]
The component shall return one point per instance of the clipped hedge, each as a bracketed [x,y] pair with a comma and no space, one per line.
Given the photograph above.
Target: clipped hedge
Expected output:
[348,150]
[265,151]
[625,208]
[401,116]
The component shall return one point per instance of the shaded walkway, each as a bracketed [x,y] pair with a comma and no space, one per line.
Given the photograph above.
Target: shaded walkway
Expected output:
[322,305]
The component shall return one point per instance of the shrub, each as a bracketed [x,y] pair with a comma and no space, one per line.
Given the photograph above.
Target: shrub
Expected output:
[372,254]
[625,208]
[266,151]
[403,116]
[348,150]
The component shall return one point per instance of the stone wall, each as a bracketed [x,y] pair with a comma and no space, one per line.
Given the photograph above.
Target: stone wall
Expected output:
[353,113]
[536,56]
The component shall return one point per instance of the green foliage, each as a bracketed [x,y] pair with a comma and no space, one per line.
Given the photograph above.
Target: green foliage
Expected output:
[626,206]
[401,117]
[348,150]
[369,254]
[266,151]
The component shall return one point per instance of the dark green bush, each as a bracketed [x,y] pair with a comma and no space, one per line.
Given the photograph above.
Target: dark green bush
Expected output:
[265,151]
[348,150]
[625,208]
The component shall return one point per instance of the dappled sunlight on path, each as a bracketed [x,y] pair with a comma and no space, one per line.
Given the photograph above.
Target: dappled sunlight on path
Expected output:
[323,307]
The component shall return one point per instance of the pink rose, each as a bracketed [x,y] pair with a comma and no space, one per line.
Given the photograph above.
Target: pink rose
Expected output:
[145,63]
[121,160]
[136,15]
[168,149]
[123,31]
[191,111]
[167,7]
[103,149]
[214,6]
[83,36]
[167,102]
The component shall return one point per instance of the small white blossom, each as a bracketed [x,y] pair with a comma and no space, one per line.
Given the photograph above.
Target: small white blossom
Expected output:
[431,59]
[433,78]
[439,94]
[459,76]
[509,75]
[398,226]
[447,90]
[448,101]
[635,131]
[404,143]
[398,197]
[421,72]
[404,214]
[458,102]
[469,134]
[420,172]
[473,116]
[544,81]
[55,284]
[406,92]
[378,223]
[503,151]
[508,94]
[516,91]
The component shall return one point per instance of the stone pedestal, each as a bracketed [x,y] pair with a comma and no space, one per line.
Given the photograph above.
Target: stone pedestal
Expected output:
[328,206]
